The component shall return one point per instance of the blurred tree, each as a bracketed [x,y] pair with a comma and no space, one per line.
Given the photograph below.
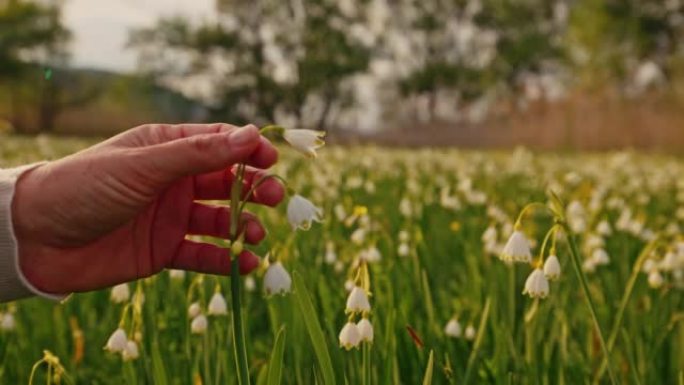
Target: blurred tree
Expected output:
[610,39]
[260,58]
[31,35]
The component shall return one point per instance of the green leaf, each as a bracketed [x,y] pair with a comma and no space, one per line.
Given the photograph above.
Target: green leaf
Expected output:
[427,380]
[158,366]
[313,327]
[275,366]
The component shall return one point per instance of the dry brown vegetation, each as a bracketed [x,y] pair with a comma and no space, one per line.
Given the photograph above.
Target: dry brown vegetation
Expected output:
[579,123]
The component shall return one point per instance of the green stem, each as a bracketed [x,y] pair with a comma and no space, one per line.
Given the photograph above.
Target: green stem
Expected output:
[575,255]
[366,364]
[617,324]
[238,329]
[258,183]
[478,343]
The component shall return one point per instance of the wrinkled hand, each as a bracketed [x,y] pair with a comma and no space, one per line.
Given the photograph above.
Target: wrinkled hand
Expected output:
[121,210]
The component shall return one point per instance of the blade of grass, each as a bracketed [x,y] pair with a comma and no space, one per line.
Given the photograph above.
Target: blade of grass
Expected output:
[313,327]
[275,366]
[427,380]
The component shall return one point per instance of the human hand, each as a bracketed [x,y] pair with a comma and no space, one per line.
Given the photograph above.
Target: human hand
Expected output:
[120,210]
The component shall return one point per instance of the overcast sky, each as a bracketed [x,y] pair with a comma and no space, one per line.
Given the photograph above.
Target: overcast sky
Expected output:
[100,28]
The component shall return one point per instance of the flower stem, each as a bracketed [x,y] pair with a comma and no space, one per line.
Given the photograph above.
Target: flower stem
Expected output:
[574,254]
[238,329]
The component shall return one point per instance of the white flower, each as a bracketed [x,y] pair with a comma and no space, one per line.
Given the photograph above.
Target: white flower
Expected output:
[217,305]
[669,262]
[350,336]
[117,341]
[470,333]
[176,275]
[277,280]
[403,250]
[250,284]
[301,212]
[349,285]
[589,265]
[358,236]
[453,328]
[198,324]
[655,279]
[7,322]
[365,329]
[552,268]
[604,228]
[357,302]
[120,293]
[403,236]
[371,254]
[536,285]
[330,255]
[490,235]
[131,351]
[517,249]
[305,141]
[194,310]
[649,265]
[600,257]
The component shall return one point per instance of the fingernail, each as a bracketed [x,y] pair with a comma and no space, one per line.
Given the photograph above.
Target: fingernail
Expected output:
[244,135]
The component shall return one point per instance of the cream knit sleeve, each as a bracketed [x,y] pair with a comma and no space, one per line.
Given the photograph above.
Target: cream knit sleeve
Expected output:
[13,284]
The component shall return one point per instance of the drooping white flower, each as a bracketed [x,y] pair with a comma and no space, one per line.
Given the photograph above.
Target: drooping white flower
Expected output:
[217,305]
[177,275]
[358,236]
[194,310]
[120,293]
[649,265]
[305,141]
[589,265]
[7,322]
[301,212]
[117,341]
[604,228]
[403,250]
[552,268]
[453,328]
[470,333]
[405,207]
[371,254]
[350,336]
[517,249]
[600,257]
[198,324]
[330,254]
[349,285]
[655,279]
[404,236]
[365,329]
[131,351]
[536,285]
[357,302]
[669,262]
[250,284]
[490,235]
[277,280]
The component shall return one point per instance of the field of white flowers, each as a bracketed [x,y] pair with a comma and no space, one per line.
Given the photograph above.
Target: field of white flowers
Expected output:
[420,271]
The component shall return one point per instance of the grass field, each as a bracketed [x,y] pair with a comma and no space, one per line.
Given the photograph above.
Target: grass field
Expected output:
[429,224]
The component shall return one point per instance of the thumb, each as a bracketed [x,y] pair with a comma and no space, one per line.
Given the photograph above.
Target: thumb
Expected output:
[200,154]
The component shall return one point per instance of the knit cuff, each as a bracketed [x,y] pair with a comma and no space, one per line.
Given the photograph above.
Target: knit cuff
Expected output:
[13,283]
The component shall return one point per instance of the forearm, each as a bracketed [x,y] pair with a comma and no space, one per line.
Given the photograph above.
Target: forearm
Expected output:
[13,284]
